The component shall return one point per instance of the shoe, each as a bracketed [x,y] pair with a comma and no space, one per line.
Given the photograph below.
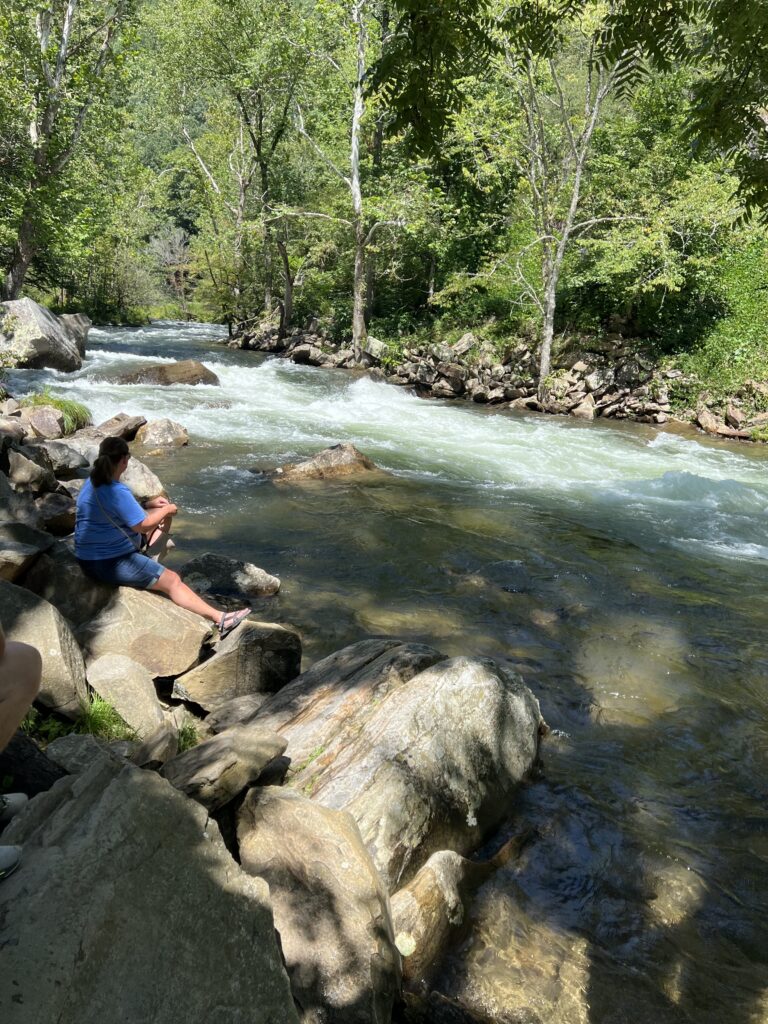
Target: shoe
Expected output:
[10,858]
[11,804]
[231,620]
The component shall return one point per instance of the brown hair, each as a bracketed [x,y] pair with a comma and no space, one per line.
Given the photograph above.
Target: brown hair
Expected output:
[111,450]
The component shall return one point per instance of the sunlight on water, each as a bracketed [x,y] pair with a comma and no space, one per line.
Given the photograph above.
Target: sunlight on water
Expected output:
[619,568]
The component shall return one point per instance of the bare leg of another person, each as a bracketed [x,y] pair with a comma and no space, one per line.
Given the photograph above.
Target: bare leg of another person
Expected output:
[160,540]
[20,674]
[171,584]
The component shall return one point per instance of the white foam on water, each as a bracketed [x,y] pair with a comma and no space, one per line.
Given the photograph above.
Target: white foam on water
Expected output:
[671,488]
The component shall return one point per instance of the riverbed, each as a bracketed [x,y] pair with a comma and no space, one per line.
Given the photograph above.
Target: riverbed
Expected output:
[619,568]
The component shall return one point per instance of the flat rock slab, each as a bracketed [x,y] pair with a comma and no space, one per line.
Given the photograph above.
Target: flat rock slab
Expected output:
[215,771]
[148,628]
[121,425]
[129,688]
[235,712]
[434,764]
[339,461]
[186,371]
[324,708]
[259,657]
[330,906]
[28,618]
[128,908]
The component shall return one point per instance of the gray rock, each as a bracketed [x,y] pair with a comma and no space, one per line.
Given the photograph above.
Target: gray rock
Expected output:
[56,513]
[129,909]
[66,462]
[585,410]
[465,344]
[338,461]
[216,770]
[237,711]
[328,703]
[163,433]
[330,906]
[121,425]
[375,349]
[217,574]
[16,507]
[76,753]
[142,481]
[258,657]
[433,765]
[13,429]
[76,327]
[26,617]
[57,578]
[26,475]
[148,628]
[43,421]
[186,371]
[161,746]
[34,337]
[128,687]
[20,546]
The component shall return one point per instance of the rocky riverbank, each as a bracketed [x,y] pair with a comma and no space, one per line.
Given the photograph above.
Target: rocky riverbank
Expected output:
[304,859]
[595,378]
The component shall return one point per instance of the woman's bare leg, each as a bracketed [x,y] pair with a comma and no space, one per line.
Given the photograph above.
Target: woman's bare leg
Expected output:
[20,674]
[171,584]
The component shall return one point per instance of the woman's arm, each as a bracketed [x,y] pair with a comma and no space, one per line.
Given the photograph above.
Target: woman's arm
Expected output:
[154,517]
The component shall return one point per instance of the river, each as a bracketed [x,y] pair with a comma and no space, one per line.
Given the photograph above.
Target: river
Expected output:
[620,569]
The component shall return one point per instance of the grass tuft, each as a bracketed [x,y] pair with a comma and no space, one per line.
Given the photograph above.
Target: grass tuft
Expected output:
[100,719]
[75,414]
[188,737]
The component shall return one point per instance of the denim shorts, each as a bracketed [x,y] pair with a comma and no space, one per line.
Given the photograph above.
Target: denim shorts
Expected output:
[131,570]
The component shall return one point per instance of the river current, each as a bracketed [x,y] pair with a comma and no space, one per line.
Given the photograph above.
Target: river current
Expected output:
[619,568]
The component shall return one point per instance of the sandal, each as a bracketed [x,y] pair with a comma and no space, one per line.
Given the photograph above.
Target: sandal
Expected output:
[231,620]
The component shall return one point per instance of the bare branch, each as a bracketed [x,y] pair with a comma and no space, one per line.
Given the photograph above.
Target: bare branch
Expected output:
[323,156]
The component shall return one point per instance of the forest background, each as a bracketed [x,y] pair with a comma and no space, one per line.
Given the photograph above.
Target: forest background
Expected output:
[523,170]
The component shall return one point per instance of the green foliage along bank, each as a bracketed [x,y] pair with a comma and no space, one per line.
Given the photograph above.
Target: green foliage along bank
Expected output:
[260,161]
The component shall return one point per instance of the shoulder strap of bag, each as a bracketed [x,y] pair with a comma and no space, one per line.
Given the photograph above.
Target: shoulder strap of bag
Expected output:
[117,525]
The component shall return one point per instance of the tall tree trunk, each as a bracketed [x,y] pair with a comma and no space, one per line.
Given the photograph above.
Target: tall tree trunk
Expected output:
[267,252]
[550,273]
[23,253]
[288,279]
[359,332]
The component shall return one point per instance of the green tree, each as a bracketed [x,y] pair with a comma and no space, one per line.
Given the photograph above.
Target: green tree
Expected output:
[59,57]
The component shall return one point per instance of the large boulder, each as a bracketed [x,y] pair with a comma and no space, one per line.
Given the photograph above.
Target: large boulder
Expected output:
[142,481]
[216,574]
[148,628]
[163,433]
[187,371]
[26,617]
[128,687]
[15,507]
[56,577]
[34,337]
[29,770]
[258,657]
[329,701]
[338,461]
[216,770]
[330,906]
[128,908]
[76,327]
[26,475]
[20,547]
[65,461]
[428,765]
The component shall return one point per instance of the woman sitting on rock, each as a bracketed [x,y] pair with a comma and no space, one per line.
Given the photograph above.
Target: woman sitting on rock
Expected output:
[112,528]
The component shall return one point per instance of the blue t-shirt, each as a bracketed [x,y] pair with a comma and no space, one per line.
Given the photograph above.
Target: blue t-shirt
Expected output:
[95,535]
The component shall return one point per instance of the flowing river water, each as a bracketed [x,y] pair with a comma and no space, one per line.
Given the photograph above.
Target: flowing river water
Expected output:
[620,569]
